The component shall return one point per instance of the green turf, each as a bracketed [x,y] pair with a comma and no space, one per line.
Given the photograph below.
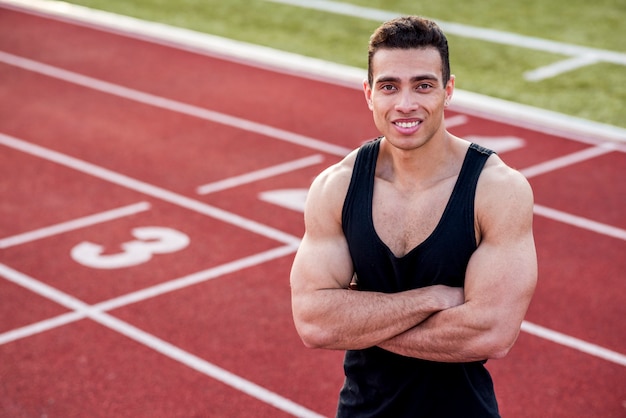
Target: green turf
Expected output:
[596,92]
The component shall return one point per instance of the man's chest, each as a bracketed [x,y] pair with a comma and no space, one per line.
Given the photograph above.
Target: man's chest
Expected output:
[405,220]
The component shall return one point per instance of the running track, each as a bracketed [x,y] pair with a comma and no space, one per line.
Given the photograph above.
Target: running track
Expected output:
[198,164]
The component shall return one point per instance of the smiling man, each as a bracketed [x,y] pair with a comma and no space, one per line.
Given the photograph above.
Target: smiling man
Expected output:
[418,257]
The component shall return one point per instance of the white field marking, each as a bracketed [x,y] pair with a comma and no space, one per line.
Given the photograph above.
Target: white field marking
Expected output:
[137,296]
[499,144]
[466,31]
[203,366]
[44,290]
[82,311]
[171,105]
[260,174]
[167,349]
[535,119]
[580,222]
[148,189]
[196,278]
[455,121]
[575,343]
[294,199]
[567,218]
[561,67]
[74,224]
[41,326]
[515,114]
[568,160]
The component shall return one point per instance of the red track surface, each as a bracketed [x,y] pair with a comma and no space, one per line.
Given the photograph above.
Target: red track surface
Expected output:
[169,353]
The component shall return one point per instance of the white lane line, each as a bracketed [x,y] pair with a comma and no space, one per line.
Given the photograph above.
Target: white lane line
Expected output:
[575,343]
[83,310]
[580,222]
[570,159]
[129,298]
[171,105]
[148,189]
[96,313]
[74,224]
[568,218]
[454,121]
[195,278]
[204,367]
[260,174]
[41,326]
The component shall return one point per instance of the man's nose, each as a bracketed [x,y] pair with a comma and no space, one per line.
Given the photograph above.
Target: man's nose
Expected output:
[407,102]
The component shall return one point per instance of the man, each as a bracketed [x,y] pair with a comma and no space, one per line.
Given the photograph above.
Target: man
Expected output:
[418,257]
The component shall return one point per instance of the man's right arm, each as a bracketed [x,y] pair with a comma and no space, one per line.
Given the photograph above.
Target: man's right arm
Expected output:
[325,312]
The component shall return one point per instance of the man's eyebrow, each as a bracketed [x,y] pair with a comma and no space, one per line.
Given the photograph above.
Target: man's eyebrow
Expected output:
[387,79]
[392,79]
[428,77]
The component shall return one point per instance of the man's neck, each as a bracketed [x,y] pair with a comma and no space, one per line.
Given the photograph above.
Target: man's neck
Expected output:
[421,167]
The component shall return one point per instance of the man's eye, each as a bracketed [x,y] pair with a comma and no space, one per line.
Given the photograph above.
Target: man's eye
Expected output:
[424,86]
[387,87]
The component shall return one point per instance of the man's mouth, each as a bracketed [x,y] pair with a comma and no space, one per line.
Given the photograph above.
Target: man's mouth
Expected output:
[407,125]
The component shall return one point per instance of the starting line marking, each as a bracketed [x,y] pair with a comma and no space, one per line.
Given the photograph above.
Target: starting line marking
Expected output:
[260,174]
[74,224]
[83,310]
[129,298]
[580,222]
[567,160]
[580,345]
[149,189]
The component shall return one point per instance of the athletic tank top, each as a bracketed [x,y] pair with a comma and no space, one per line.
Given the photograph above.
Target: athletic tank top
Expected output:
[383,384]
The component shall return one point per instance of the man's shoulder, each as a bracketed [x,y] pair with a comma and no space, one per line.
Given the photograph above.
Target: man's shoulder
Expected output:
[328,190]
[337,175]
[497,175]
[504,198]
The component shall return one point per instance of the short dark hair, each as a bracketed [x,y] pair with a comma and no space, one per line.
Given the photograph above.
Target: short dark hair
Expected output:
[409,32]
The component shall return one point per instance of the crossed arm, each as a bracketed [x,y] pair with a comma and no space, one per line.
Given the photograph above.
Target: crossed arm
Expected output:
[328,315]
[436,323]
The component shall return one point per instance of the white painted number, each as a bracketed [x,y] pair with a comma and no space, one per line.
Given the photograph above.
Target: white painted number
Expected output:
[150,240]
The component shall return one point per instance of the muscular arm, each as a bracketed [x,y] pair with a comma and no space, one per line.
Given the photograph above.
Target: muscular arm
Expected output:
[326,314]
[500,280]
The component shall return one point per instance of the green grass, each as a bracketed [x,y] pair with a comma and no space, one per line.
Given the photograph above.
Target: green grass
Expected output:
[596,92]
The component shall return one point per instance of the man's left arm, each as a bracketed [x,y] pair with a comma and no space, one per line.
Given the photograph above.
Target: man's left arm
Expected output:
[500,279]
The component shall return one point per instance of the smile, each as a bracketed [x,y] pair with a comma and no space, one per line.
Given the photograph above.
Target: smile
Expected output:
[407,124]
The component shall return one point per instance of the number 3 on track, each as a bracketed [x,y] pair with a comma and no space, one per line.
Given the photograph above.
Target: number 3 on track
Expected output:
[150,240]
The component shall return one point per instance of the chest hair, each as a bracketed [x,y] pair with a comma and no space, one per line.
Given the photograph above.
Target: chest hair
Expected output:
[403,219]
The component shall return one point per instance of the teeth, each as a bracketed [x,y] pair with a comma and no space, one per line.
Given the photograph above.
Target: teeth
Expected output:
[407,124]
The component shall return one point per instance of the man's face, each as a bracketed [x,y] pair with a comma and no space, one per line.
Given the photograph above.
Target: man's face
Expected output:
[407,96]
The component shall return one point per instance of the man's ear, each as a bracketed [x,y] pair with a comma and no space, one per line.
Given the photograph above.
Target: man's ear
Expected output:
[367,90]
[449,90]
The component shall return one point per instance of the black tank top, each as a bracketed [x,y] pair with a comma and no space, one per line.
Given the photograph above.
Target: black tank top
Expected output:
[382,384]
